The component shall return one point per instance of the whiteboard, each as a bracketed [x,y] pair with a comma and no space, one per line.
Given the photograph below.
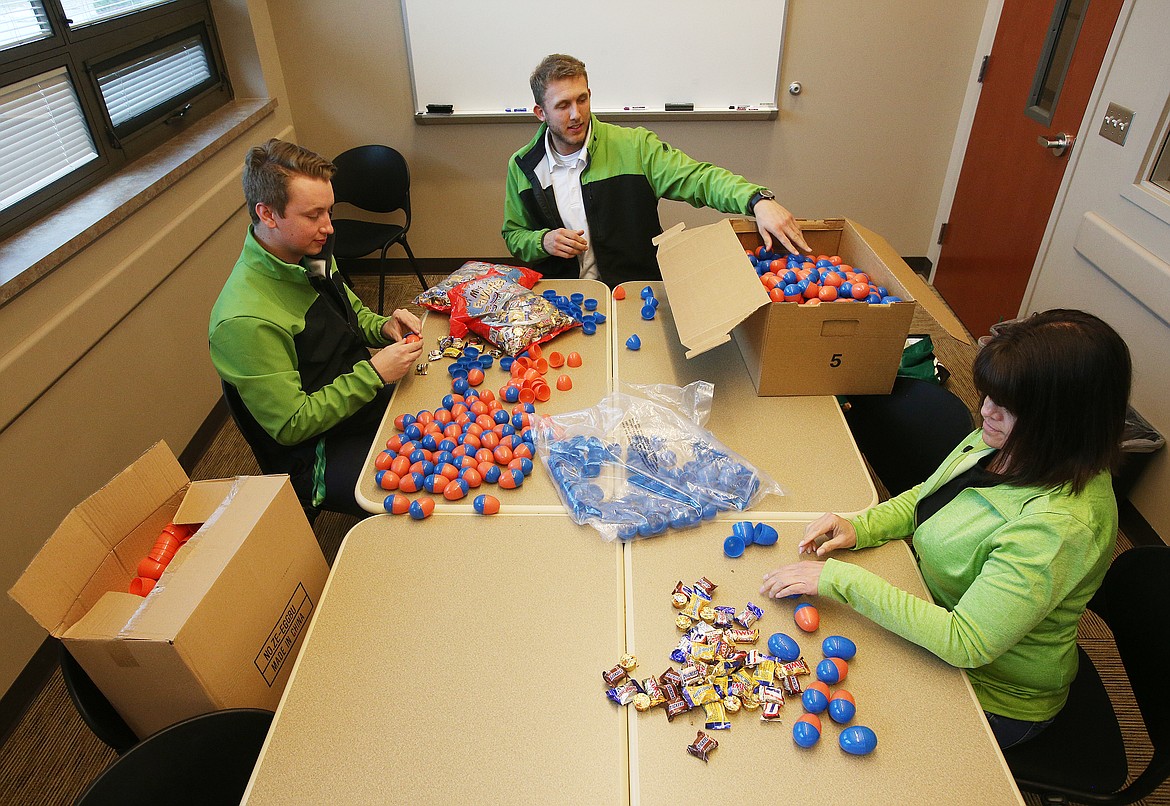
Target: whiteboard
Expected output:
[477,56]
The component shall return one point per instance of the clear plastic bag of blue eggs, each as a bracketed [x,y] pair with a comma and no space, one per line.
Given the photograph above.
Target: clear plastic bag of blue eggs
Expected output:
[640,463]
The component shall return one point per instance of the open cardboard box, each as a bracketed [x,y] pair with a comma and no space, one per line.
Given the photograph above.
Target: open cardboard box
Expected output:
[837,348]
[224,622]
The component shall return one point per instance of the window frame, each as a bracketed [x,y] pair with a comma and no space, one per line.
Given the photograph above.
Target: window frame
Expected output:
[82,51]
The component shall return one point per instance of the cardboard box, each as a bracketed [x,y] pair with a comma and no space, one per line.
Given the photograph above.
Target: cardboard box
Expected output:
[838,348]
[224,622]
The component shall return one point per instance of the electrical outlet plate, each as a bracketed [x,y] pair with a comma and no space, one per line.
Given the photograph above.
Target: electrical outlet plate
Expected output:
[1116,124]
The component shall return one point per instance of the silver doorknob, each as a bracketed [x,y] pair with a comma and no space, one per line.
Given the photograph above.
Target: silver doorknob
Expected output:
[1059,144]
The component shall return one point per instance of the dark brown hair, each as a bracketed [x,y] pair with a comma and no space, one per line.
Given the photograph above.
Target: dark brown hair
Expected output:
[1065,375]
[554,67]
[267,169]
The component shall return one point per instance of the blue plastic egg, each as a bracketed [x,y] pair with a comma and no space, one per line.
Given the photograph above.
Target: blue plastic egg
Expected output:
[764,535]
[633,342]
[647,312]
[733,546]
[858,740]
[783,647]
[814,699]
[805,733]
[832,671]
[647,292]
[744,530]
[842,707]
[838,646]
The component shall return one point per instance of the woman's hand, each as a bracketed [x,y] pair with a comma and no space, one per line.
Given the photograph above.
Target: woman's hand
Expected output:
[793,580]
[840,535]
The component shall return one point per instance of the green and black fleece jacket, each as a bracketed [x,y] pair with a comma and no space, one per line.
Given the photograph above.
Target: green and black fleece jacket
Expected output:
[293,347]
[628,171]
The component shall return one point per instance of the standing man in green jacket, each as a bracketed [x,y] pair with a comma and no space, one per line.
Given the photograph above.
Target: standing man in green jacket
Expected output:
[582,195]
[291,341]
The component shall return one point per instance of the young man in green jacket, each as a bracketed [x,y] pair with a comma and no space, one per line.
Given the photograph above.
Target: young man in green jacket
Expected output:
[582,195]
[291,341]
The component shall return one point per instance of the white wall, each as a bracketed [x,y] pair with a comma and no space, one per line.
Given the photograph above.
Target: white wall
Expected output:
[108,354]
[868,138]
[1108,247]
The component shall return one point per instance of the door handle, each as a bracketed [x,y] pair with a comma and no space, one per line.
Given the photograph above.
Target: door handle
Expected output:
[1059,144]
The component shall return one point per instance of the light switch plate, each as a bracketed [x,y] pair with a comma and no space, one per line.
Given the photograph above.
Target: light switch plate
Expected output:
[1116,124]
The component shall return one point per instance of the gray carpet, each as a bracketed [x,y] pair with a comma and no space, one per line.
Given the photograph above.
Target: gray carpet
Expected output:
[52,756]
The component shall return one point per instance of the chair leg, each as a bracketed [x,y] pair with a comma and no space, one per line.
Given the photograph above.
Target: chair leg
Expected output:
[382,281]
[418,273]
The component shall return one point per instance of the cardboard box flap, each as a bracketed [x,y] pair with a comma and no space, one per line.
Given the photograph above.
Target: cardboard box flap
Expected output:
[85,542]
[196,568]
[709,282]
[917,288]
[106,618]
[202,500]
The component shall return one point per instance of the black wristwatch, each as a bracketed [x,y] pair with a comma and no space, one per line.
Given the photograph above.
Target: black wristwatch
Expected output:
[759,196]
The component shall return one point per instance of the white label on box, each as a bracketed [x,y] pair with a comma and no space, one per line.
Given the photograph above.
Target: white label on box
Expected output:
[283,637]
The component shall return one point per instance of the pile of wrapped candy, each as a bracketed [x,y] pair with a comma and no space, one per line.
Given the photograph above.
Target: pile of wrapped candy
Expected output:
[720,671]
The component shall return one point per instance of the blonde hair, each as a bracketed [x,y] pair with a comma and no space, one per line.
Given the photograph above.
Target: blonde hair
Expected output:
[554,67]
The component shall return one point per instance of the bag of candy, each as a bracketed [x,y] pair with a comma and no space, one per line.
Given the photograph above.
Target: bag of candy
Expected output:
[505,313]
[437,297]
[635,465]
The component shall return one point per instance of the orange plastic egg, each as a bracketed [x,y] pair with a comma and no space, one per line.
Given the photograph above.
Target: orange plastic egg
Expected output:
[573,359]
[564,383]
[807,618]
[619,293]
[556,360]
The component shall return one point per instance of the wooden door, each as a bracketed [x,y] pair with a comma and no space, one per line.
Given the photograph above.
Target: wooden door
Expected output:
[1036,84]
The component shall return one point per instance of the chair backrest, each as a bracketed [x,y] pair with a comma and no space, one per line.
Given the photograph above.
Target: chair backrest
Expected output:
[205,760]
[906,434]
[374,178]
[1133,602]
[95,710]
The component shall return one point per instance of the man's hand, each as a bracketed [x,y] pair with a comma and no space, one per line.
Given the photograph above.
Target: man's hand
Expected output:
[400,323]
[564,242]
[774,221]
[395,360]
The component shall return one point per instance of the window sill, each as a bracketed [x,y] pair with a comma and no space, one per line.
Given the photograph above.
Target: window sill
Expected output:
[33,253]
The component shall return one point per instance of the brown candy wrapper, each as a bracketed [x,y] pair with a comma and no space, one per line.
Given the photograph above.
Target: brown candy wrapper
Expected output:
[702,746]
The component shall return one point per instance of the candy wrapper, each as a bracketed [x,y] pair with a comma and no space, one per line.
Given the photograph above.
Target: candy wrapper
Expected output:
[635,465]
[437,297]
[505,313]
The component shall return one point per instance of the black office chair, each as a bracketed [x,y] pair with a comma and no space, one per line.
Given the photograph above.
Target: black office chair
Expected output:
[263,446]
[373,178]
[906,434]
[95,710]
[202,761]
[1081,756]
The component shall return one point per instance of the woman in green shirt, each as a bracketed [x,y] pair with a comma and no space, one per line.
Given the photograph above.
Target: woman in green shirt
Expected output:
[1013,532]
